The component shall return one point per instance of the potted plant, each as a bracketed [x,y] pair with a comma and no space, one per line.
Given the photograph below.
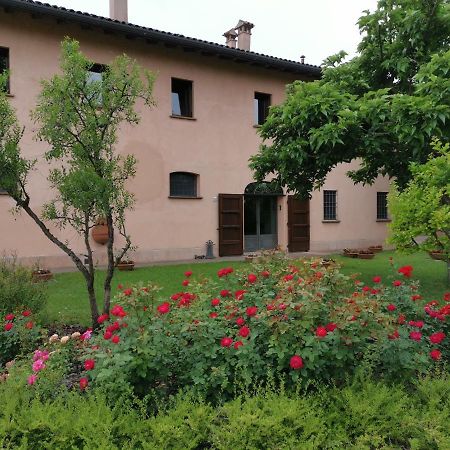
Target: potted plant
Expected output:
[39,274]
[99,231]
[327,262]
[351,252]
[126,263]
[437,254]
[376,248]
[365,254]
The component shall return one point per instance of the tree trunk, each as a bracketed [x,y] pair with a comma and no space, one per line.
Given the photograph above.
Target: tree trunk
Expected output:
[92,300]
[110,269]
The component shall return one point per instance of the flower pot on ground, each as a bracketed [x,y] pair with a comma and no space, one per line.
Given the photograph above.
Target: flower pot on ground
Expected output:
[437,254]
[351,252]
[41,275]
[365,254]
[376,248]
[99,232]
[125,265]
[327,262]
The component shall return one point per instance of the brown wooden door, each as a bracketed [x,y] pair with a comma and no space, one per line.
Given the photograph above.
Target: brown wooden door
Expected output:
[231,233]
[298,224]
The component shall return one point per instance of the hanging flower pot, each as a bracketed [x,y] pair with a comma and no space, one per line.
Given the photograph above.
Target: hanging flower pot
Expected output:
[99,232]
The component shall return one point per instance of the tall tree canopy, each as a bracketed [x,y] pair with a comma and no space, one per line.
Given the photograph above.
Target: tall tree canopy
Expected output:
[384,106]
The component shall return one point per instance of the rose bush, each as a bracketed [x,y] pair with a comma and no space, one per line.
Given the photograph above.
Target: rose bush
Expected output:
[283,320]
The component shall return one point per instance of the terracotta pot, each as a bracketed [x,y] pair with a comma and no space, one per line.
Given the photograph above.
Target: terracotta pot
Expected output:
[100,234]
[439,256]
[126,266]
[376,248]
[42,276]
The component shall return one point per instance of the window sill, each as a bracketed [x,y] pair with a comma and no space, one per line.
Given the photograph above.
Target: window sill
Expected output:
[384,220]
[184,197]
[174,116]
[331,221]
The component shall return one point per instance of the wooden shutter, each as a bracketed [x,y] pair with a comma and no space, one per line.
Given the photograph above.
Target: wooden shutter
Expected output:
[231,233]
[298,224]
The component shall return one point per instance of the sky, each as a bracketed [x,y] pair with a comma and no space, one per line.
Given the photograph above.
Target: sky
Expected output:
[283,28]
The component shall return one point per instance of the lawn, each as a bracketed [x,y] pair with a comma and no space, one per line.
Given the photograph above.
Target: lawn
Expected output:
[68,301]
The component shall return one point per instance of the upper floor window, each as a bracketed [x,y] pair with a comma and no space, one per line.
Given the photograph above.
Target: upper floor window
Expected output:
[261,105]
[4,63]
[329,205]
[382,209]
[95,75]
[182,98]
[183,184]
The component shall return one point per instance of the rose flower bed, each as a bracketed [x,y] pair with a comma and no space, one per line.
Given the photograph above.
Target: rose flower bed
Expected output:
[282,321]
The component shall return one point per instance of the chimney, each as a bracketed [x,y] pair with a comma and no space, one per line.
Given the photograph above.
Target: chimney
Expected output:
[118,10]
[230,36]
[302,59]
[243,29]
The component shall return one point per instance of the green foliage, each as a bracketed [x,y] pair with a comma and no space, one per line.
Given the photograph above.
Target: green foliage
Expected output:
[17,289]
[360,415]
[383,107]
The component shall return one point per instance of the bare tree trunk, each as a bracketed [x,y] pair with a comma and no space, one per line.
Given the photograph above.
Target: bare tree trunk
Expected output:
[90,276]
[110,269]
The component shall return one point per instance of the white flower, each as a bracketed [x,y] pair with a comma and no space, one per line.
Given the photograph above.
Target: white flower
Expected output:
[54,338]
[65,339]
[75,335]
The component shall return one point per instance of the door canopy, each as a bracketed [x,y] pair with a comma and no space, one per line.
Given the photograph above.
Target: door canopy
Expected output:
[264,188]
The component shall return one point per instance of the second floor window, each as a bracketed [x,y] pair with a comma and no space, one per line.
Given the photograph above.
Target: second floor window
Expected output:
[4,63]
[329,205]
[182,98]
[261,105]
[95,75]
[382,209]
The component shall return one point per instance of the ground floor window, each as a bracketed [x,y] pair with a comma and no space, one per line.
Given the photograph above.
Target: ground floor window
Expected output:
[183,184]
[329,205]
[382,209]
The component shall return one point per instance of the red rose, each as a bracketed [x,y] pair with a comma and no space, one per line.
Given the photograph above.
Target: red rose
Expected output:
[107,335]
[252,278]
[397,283]
[102,318]
[120,287]
[215,302]
[416,297]
[366,289]
[226,342]
[244,331]
[288,277]
[188,273]
[296,362]
[128,292]
[251,311]
[83,383]
[9,317]
[270,307]
[26,313]
[29,325]
[213,315]
[282,307]
[118,311]
[238,344]
[391,307]
[377,279]
[401,319]
[163,308]
[115,339]
[394,335]
[437,338]
[435,354]
[224,293]
[321,332]
[418,324]
[331,326]
[89,364]
[447,297]
[265,274]
[415,335]
[185,283]
[240,321]
[406,271]
[239,295]
[8,326]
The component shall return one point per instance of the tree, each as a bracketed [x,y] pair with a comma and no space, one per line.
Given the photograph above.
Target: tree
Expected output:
[383,106]
[78,117]
[422,209]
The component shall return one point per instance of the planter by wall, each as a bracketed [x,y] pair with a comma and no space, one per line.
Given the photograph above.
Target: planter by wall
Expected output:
[376,248]
[366,255]
[438,255]
[125,266]
[41,275]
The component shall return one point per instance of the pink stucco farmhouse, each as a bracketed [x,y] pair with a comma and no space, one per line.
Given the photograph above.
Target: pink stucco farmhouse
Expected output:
[193,183]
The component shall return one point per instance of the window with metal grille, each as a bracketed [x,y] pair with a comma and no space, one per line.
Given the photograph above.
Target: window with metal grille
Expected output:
[329,205]
[382,209]
[183,184]
[4,64]
[181,98]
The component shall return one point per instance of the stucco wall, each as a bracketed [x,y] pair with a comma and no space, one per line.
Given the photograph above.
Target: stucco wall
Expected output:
[216,145]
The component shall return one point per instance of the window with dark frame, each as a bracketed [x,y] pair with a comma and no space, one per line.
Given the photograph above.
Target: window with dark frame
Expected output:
[183,184]
[4,64]
[261,105]
[95,74]
[182,98]
[382,208]
[329,205]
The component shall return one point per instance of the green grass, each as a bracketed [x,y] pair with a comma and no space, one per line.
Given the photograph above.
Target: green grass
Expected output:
[68,299]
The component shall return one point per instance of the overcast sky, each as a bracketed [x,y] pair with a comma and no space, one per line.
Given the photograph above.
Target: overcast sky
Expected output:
[283,28]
